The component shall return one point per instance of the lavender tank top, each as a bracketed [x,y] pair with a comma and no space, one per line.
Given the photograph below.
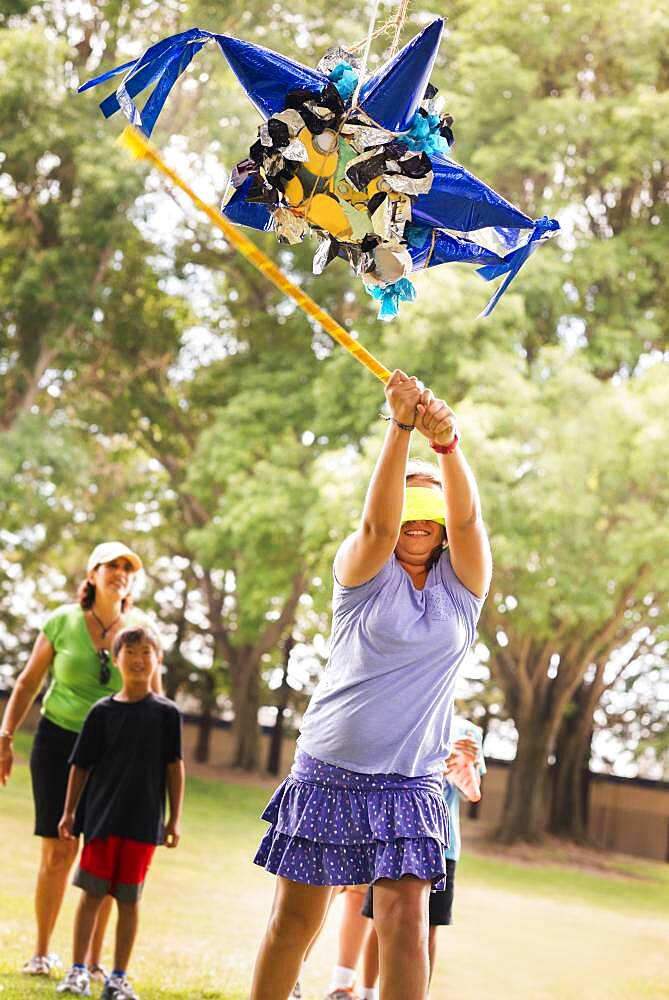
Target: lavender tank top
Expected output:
[385,701]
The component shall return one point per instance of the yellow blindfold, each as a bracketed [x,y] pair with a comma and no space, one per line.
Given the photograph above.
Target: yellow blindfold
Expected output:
[423,504]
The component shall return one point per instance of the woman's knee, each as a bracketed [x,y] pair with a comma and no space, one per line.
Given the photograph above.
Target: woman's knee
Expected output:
[297,914]
[58,855]
[289,923]
[401,912]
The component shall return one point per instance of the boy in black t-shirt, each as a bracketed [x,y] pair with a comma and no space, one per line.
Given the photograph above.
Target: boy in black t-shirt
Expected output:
[127,755]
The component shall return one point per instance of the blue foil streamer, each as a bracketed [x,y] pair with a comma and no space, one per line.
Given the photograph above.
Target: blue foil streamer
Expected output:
[390,296]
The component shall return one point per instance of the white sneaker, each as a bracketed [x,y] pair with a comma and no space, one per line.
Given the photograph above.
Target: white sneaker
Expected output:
[41,965]
[77,982]
[118,988]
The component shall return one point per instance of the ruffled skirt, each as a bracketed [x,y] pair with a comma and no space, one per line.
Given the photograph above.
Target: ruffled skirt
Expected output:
[331,826]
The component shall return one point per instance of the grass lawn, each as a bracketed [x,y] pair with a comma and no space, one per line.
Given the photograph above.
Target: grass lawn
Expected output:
[539,932]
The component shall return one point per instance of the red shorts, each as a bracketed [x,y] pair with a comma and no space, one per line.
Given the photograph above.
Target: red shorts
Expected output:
[114,866]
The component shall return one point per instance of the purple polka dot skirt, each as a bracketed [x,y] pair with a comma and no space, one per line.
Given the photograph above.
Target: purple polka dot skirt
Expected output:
[330,826]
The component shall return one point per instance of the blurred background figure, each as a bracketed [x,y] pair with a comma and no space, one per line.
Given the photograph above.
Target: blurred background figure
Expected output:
[73,647]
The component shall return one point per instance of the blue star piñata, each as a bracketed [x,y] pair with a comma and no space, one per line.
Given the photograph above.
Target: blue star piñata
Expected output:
[366,168]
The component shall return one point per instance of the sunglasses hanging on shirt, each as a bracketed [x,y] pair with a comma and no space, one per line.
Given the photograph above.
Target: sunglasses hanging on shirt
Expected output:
[105,666]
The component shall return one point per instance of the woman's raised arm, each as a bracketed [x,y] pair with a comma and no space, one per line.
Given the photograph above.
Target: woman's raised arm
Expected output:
[364,552]
[467,538]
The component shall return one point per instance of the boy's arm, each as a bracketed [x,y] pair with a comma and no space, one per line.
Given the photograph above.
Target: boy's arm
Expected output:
[75,786]
[175,795]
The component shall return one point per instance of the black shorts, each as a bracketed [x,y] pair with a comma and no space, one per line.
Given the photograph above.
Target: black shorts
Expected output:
[441,903]
[49,769]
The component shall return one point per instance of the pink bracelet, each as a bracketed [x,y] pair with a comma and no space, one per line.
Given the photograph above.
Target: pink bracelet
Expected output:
[445,449]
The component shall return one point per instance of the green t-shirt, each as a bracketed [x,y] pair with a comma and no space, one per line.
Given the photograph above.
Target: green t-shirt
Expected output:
[75,669]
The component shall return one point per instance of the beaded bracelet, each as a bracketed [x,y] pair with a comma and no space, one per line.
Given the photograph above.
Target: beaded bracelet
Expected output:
[402,427]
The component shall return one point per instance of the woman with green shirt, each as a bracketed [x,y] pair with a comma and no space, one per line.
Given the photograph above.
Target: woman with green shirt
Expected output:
[73,647]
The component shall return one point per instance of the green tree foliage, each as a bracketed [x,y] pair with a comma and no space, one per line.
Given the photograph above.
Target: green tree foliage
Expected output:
[575,486]
[78,299]
[156,387]
[557,108]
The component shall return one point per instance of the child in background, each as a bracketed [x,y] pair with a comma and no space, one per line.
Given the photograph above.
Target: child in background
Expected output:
[127,755]
[354,931]
[462,771]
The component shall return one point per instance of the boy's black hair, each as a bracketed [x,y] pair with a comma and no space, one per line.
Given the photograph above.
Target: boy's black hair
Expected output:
[131,636]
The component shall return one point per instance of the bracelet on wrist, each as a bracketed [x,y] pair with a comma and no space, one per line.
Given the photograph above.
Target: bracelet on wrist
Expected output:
[6,735]
[402,427]
[445,449]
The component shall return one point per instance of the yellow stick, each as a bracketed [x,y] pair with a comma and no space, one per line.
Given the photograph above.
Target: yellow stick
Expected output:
[139,147]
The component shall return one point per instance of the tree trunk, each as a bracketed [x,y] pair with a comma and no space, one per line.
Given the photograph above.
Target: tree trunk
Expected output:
[170,685]
[525,805]
[276,739]
[569,808]
[207,707]
[203,745]
[245,669]
[539,697]
[246,733]
[276,742]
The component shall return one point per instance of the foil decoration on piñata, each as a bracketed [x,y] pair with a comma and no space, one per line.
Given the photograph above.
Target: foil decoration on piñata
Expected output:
[364,166]
[323,168]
